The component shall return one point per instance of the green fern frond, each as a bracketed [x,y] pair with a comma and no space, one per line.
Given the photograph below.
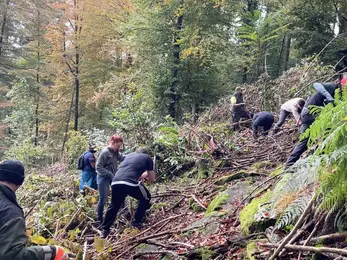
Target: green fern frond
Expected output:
[291,214]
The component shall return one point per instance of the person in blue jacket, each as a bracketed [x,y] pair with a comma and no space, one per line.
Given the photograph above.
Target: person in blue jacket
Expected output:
[88,177]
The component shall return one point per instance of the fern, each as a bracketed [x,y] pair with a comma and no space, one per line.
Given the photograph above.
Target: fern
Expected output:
[291,214]
[340,222]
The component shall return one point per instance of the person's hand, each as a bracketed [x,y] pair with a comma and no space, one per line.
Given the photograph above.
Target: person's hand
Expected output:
[143,176]
[299,122]
[327,101]
[59,253]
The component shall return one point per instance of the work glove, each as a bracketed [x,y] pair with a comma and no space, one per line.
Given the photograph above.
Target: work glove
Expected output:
[55,253]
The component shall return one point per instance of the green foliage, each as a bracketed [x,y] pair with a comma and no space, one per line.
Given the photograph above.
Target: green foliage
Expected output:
[216,203]
[134,118]
[29,154]
[75,146]
[206,253]
[293,212]
[251,248]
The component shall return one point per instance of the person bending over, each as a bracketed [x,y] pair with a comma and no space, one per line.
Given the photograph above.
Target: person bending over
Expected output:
[128,182]
[262,119]
[292,106]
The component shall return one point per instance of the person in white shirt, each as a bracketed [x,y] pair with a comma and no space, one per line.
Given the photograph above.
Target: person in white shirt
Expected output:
[292,106]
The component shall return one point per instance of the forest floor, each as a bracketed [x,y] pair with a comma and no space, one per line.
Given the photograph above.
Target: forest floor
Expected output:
[190,218]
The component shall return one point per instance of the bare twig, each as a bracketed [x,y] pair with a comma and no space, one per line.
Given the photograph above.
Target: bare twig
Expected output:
[308,249]
[296,227]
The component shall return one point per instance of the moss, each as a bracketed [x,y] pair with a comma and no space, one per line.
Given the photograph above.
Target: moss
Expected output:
[206,253]
[205,169]
[263,164]
[247,218]
[251,249]
[276,172]
[194,206]
[235,176]
[216,203]
[159,205]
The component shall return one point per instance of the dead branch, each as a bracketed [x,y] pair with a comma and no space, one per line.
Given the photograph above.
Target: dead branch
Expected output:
[296,227]
[308,248]
[137,255]
[327,239]
[312,233]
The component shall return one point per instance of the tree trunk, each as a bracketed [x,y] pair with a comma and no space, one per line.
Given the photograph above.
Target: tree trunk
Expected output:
[77,90]
[287,52]
[3,26]
[37,122]
[176,56]
[68,121]
[280,57]
[77,29]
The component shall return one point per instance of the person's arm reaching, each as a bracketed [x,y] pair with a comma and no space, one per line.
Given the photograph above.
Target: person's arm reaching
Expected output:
[233,102]
[255,126]
[296,114]
[322,90]
[13,244]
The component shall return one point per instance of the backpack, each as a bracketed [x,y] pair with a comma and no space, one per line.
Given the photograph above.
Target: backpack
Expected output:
[80,162]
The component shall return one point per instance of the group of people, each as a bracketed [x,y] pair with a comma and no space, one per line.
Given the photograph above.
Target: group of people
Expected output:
[101,174]
[104,174]
[300,109]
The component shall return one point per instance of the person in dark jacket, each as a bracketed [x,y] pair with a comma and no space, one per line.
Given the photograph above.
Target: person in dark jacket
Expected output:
[13,236]
[106,168]
[88,176]
[238,108]
[324,94]
[128,182]
[262,119]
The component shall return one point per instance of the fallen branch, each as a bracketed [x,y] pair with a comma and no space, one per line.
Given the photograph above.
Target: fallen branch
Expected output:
[312,233]
[137,255]
[296,227]
[331,238]
[308,249]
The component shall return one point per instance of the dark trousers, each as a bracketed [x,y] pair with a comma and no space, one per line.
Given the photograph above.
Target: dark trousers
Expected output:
[282,118]
[237,115]
[119,193]
[301,147]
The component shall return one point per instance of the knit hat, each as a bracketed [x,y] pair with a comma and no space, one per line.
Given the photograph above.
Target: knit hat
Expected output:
[12,171]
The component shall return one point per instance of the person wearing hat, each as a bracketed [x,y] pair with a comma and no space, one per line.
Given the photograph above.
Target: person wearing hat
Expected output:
[238,108]
[292,106]
[13,236]
[88,176]
[135,168]
[324,94]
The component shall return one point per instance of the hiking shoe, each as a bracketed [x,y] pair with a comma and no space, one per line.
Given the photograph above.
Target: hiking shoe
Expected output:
[135,224]
[97,224]
[105,233]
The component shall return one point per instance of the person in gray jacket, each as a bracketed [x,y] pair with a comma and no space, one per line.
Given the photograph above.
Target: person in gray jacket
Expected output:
[106,167]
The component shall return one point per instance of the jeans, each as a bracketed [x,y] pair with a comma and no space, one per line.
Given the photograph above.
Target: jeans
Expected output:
[282,118]
[119,193]
[104,183]
[307,120]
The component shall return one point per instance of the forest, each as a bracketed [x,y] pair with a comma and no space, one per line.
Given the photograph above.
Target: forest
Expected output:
[161,74]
